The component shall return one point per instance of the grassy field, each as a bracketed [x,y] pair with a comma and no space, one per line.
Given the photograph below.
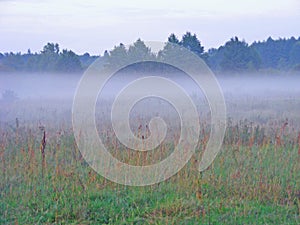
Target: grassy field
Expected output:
[254,180]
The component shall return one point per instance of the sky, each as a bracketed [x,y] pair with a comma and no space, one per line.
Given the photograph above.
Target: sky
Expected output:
[97,25]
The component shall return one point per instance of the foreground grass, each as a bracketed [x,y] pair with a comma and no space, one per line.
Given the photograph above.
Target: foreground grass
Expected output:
[254,180]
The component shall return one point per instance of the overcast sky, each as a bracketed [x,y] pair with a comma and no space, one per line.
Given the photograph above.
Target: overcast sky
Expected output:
[96,25]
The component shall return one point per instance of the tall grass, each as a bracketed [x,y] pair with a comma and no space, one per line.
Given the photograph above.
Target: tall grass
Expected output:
[255,179]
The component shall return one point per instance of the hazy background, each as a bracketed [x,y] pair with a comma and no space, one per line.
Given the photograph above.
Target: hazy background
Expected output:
[257,98]
[63,86]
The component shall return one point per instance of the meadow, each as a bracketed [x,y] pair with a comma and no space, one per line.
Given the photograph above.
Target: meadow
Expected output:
[255,178]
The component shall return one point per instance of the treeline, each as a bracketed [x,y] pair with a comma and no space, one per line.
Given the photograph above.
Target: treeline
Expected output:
[234,56]
[269,56]
[50,59]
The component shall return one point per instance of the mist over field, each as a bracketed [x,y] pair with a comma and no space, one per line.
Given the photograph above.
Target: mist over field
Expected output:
[63,86]
[256,97]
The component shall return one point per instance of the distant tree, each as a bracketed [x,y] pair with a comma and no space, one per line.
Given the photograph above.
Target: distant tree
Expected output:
[213,58]
[105,57]
[275,54]
[118,56]
[238,56]
[106,54]
[281,54]
[50,48]
[49,58]
[189,41]
[86,60]
[139,51]
[192,43]
[294,56]
[33,62]
[13,61]
[68,62]
[173,39]
[169,52]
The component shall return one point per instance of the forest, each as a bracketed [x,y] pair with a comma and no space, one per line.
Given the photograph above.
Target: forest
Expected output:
[235,56]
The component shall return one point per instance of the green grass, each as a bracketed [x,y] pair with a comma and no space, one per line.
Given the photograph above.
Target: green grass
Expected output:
[254,180]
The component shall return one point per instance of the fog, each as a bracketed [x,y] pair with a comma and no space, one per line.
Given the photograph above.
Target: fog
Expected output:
[37,86]
[63,86]
[41,97]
